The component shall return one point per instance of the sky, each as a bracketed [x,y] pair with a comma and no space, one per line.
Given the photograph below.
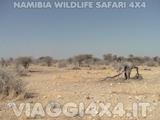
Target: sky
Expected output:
[62,33]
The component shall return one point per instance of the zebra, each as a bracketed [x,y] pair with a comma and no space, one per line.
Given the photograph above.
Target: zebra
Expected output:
[126,68]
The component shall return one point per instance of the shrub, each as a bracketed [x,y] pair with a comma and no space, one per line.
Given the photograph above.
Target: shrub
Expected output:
[3,62]
[24,61]
[82,59]
[20,71]
[47,60]
[135,59]
[98,61]
[62,64]
[157,59]
[151,63]
[108,57]
[9,85]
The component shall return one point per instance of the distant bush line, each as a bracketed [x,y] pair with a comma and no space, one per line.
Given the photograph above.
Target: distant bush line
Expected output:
[82,60]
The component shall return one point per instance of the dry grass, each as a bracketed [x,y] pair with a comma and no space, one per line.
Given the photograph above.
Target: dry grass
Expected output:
[68,85]
[10,85]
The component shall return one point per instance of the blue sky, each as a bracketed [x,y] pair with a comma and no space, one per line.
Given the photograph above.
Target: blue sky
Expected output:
[66,32]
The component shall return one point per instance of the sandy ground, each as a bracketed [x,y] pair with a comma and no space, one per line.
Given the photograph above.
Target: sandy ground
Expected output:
[85,86]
